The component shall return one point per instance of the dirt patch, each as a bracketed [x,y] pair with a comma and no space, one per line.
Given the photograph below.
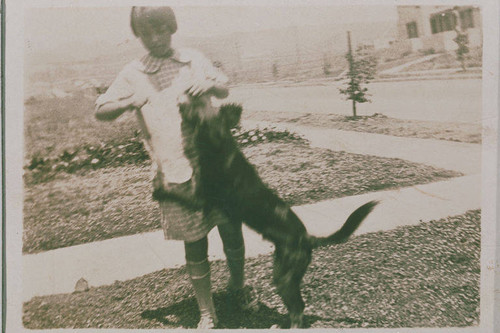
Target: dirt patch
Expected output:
[380,124]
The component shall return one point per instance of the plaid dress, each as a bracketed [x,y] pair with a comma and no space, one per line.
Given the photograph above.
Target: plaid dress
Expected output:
[178,222]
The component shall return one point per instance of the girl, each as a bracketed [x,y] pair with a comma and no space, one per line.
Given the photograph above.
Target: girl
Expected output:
[143,86]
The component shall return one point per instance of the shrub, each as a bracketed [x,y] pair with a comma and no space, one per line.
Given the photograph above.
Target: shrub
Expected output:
[428,51]
[131,151]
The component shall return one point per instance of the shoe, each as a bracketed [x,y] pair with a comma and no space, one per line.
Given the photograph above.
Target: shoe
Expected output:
[244,298]
[206,323]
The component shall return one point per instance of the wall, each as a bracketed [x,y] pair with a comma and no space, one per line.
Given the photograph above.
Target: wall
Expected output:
[475,37]
[406,15]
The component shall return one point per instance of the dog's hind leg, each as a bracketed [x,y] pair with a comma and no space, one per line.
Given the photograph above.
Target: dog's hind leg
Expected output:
[290,293]
[290,266]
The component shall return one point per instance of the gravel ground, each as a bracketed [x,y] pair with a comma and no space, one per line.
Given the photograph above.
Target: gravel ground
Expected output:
[112,202]
[380,124]
[416,276]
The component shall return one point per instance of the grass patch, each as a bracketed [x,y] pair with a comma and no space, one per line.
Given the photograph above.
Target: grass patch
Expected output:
[416,276]
[55,125]
[377,123]
[111,202]
[449,60]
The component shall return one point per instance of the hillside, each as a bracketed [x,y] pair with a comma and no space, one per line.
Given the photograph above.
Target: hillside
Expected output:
[245,56]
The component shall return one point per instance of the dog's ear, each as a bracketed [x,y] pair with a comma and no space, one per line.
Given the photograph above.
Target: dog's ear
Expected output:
[231,113]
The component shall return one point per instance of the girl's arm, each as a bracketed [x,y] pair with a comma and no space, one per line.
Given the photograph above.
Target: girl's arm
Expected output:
[112,110]
[121,96]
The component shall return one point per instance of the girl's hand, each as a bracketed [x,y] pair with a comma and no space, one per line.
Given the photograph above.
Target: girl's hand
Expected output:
[208,87]
[200,87]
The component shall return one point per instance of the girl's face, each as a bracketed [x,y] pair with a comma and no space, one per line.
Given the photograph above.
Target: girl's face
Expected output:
[156,38]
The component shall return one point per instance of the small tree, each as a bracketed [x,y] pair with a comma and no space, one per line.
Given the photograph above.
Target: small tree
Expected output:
[275,70]
[462,40]
[361,71]
[327,66]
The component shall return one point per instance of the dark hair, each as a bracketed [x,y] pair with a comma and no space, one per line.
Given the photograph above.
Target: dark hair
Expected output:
[159,14]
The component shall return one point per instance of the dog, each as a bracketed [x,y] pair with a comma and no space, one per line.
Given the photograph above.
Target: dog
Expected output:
[223,179]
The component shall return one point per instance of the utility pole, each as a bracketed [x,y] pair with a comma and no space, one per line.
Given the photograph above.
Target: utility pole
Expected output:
[297,50]
[351,61]
[239,65]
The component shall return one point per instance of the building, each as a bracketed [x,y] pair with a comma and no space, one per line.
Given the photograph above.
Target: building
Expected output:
[433,27]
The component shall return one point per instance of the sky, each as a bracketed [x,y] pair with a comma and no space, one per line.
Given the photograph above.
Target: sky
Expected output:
[73,29]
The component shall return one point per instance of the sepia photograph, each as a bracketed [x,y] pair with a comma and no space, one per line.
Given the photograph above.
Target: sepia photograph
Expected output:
[230,165]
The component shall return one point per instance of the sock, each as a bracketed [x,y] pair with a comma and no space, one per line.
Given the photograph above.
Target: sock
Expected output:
[236,264]
[199,273]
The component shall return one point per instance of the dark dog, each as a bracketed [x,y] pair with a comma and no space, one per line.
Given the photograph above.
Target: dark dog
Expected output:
[223,179]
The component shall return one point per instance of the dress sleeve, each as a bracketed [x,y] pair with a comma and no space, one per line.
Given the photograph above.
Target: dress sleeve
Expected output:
[118,91]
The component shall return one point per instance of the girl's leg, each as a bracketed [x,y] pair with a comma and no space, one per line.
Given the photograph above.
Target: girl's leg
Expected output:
[234,248]
[198,269]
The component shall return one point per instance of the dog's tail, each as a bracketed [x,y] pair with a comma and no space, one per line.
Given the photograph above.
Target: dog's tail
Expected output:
[351,224]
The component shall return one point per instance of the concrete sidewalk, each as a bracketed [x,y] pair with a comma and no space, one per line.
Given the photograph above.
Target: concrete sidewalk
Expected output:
[101,263]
